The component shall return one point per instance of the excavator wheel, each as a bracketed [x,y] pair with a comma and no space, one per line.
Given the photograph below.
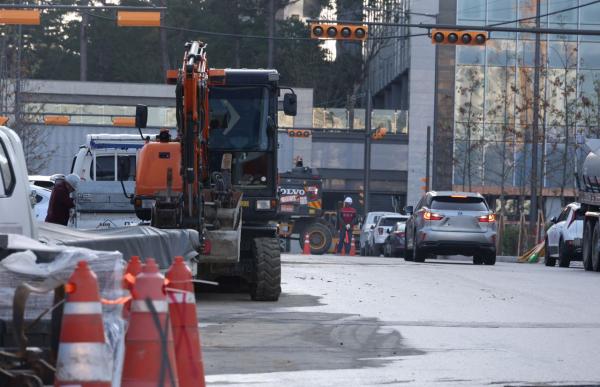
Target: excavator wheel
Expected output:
[319,236]
[266,275]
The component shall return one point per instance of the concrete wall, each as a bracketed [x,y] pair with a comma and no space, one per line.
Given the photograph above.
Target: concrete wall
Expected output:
[421,97]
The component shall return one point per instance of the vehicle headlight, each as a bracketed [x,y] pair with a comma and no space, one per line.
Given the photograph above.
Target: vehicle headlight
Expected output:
[263,204]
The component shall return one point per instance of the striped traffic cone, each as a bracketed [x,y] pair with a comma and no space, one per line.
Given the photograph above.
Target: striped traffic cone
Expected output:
[149,354]
[306,245]
[352,247]
[182,309]
[83,358]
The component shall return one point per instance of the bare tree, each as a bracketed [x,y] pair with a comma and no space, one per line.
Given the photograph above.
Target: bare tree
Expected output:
[469,116]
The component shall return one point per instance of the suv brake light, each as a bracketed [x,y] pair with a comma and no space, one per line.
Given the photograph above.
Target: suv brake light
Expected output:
[428,215]
[490,218]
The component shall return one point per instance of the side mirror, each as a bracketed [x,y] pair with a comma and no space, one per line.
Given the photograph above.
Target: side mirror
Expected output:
[553,220]
[290,104]
[372,227]
[141,116]
[408,210]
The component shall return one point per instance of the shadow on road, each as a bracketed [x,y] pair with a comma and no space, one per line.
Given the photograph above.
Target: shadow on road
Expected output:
[245,337]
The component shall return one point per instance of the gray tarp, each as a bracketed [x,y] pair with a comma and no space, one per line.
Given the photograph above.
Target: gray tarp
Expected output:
[145,241]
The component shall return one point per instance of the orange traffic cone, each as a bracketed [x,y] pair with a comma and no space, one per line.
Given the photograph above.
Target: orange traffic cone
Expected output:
[353,247]
[306,246]
[134,267]
[149,354]
[182,309]
[83,358]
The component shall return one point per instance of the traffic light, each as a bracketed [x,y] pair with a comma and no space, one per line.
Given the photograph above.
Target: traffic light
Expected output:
[300,133]
[338,31]
[464,38]
[379,133]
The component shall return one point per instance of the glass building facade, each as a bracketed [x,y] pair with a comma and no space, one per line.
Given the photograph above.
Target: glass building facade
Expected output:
[484,97]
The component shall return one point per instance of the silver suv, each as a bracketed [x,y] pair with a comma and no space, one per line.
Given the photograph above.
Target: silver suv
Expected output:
[448,223]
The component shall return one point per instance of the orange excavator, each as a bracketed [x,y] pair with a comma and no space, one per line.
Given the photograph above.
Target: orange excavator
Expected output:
[219,175]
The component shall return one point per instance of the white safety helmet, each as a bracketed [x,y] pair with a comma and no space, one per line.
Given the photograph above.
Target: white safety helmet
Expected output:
[73,180]
[348,200]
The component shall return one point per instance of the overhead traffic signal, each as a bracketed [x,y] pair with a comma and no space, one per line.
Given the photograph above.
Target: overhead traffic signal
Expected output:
[338,31]
[463,38]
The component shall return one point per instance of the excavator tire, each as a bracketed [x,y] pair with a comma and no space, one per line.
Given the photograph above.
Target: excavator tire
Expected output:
[319,236]
[266,275]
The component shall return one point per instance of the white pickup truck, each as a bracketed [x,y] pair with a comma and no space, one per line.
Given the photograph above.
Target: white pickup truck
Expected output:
[101,202]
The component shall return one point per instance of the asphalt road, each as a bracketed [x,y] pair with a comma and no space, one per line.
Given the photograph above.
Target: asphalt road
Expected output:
[363,321]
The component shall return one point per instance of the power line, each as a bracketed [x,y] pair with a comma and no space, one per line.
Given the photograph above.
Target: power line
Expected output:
[247,36]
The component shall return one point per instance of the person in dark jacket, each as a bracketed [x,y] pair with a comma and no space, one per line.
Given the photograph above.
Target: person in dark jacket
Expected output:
[61,201]
[347,219]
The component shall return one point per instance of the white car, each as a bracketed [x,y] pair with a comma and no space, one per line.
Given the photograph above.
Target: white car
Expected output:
[41,199]
[380,232]
[563,238]
[367,228]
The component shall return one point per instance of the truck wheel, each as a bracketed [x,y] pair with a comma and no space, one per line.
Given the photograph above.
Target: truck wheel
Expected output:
[596,248]
[266,275]
[319,237]
[563,259]
[477,260]
[587,245]
[548,260]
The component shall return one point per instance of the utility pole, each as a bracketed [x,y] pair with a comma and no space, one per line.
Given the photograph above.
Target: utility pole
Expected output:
[533,207]
[271,28]
[83,46]
[367,151]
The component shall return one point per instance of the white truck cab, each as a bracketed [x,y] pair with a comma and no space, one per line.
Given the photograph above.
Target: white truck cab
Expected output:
[15,204]
[101,202]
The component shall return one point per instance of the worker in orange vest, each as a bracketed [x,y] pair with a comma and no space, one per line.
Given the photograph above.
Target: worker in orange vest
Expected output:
[347,219]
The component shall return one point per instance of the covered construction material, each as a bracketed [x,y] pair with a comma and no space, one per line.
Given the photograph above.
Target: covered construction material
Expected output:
[30,271]
[145,241]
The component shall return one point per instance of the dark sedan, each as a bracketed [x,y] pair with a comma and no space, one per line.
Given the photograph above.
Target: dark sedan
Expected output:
[394,244]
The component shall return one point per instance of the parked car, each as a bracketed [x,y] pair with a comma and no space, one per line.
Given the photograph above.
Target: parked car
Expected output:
[380,232]
[448,223]
[394,243]
[564,237]
[40,198]
[45,181]
[367,227]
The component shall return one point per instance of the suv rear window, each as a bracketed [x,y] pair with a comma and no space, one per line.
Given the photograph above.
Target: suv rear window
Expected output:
[458,203]
[390,221]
